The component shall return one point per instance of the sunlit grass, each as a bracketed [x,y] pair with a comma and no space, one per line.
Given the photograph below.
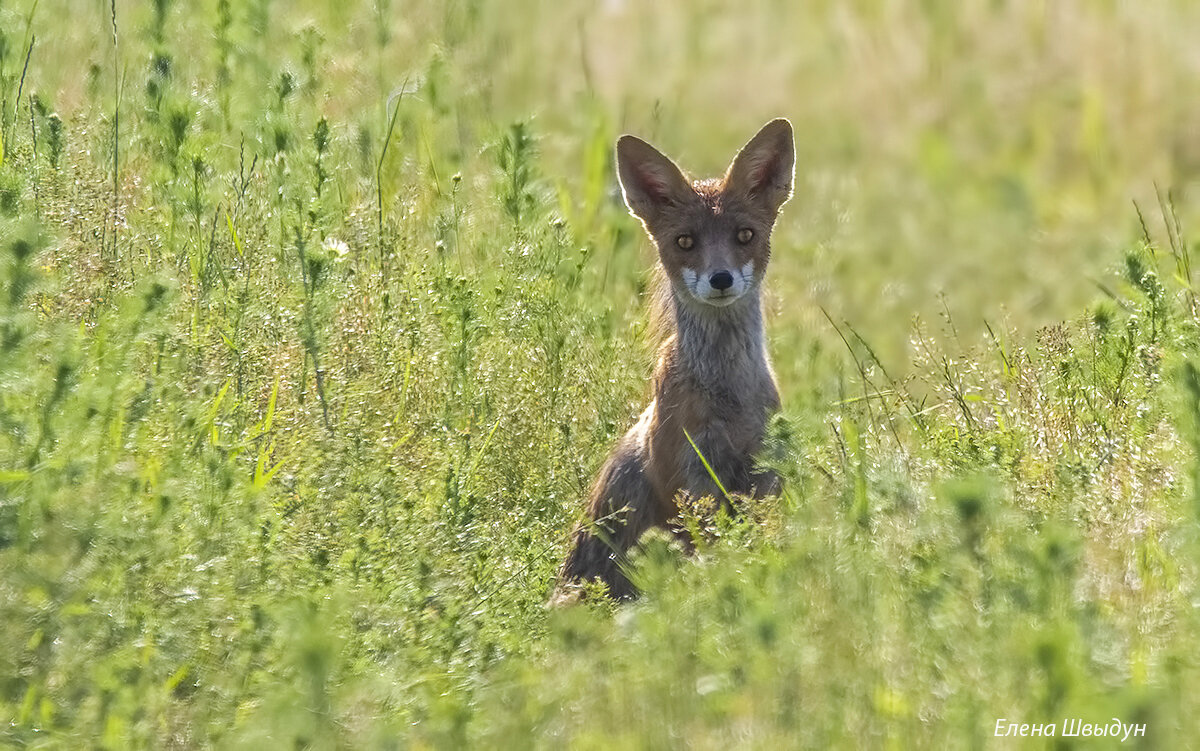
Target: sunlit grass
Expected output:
[316,321]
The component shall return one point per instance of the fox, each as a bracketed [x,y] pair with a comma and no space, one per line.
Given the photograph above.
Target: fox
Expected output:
[713,389]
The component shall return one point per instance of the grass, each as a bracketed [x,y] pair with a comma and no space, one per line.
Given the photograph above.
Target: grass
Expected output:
[317,320]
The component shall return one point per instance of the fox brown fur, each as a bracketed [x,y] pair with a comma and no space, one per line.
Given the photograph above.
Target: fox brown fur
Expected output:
[713,381]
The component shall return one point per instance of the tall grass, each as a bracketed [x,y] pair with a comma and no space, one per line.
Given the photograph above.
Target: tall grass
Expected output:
[317,320]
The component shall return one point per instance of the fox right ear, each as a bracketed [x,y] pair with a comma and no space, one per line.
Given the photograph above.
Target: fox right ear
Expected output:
[650,181]
[765,167]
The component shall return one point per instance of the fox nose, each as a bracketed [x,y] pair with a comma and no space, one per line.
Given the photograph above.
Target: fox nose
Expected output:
[721,280]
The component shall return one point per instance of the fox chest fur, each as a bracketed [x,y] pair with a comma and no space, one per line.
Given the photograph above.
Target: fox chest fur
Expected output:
[713,390]
[712,384]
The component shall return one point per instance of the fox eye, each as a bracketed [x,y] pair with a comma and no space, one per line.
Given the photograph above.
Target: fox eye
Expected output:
[685,241]
[745,235]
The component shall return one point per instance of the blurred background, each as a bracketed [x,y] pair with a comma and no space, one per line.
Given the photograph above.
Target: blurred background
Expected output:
[988,151]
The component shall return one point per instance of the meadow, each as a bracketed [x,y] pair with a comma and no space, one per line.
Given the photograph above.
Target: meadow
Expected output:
[317,320]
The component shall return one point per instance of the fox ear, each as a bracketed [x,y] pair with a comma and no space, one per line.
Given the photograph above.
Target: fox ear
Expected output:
[650,181]
[763,170]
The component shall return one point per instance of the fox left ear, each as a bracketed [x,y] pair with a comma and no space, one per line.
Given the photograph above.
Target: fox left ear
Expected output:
[763,170]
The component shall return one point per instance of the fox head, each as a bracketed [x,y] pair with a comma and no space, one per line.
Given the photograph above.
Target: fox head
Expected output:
[713,236]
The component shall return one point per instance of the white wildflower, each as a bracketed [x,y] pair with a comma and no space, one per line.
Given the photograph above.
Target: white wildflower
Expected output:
[336,247]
